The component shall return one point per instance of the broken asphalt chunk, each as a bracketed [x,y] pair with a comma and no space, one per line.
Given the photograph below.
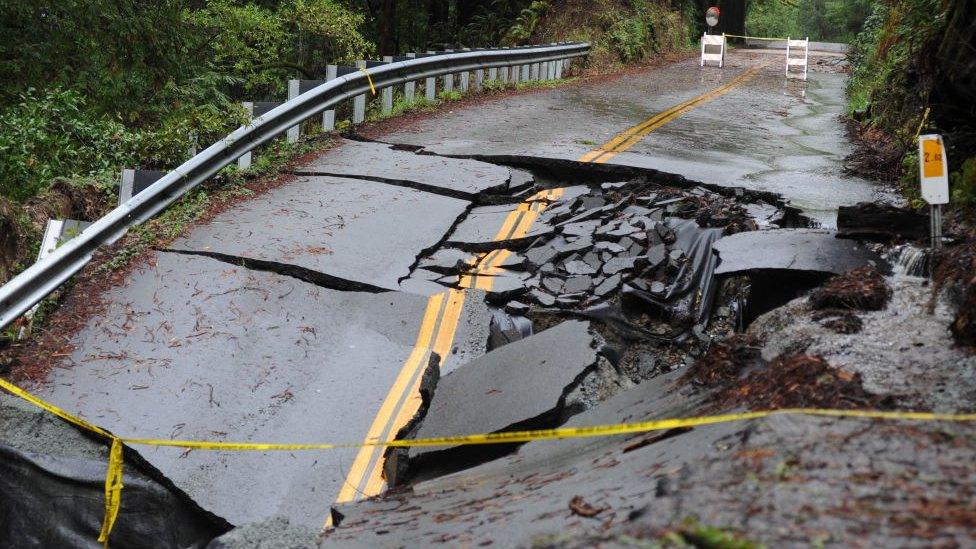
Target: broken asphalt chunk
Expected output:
[519,386]
[816,250]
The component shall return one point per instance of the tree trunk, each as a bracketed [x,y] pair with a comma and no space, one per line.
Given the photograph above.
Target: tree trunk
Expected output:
[387,28]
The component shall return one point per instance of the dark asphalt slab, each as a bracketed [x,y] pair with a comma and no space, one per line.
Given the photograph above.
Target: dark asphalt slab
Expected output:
[194,348]
[768,134]
[816,250]
[517,383]
[356,230]
[456,177]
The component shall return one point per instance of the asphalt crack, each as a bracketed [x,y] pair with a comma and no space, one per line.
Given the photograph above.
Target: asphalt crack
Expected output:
[405,183]
[301,273]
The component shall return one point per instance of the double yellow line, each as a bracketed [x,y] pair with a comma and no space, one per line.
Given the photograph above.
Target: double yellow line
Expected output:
[631,136]
[440,321]
[436,335]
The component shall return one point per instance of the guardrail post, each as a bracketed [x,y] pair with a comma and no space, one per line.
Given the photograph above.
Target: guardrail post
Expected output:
[387,93]
[479,79]
[534,71]
[410,88]
[126,183]
[244,162]
[328,117]
[493,73]
[449,78]
[430,88]
[559,68]
[56,232]
[465,77]
[295,131]
[503,74]
[525,72]
[191,151]
[359,102]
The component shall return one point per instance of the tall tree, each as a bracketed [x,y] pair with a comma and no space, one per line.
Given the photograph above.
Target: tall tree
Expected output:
[386,28]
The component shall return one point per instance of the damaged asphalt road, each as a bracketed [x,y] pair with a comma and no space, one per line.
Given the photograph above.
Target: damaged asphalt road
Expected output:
[287,318]
[526,290]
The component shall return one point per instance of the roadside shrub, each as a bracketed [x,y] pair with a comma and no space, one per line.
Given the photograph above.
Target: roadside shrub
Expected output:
[52,133]
[964,184]
[653,28]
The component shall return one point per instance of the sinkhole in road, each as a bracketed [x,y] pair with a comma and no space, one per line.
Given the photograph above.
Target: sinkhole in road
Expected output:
[625,256]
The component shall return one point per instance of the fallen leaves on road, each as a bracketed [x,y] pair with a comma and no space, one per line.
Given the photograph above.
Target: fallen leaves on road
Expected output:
[579,507]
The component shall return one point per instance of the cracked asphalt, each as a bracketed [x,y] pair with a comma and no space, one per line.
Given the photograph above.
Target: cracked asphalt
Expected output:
[331,308]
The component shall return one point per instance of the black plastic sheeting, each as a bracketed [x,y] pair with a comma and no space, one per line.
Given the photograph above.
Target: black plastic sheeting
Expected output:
[694,283]
[697,274]
[57,501]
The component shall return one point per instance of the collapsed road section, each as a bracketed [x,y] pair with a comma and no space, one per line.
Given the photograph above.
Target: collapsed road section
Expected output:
[287,318]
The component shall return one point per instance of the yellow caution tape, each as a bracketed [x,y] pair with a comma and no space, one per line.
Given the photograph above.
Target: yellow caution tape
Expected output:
[113,477]
[113,490]
[369,79]
[753,37]
[925,118]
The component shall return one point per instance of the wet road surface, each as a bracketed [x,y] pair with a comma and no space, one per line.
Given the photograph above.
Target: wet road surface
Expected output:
[767,133]
[302,316]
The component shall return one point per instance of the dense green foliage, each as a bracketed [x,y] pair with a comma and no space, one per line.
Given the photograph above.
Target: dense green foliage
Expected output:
[823,20]
[913,71]
[50,134]
[91,85]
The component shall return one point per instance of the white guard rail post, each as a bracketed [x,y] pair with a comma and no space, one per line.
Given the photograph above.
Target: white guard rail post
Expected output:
[710,41]
[36,282]
[796,61]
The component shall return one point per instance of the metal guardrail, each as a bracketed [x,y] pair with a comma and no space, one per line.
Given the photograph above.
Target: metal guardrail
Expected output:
[41,279]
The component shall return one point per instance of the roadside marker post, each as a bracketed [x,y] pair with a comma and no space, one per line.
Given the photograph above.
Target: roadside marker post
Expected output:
[710,41]
[797,61]
[933,174]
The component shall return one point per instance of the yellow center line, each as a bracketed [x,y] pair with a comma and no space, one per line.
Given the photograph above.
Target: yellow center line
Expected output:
[633,135]
[443,311]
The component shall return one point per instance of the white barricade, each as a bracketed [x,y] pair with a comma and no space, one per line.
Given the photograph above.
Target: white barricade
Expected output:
[713,40]
[800,62]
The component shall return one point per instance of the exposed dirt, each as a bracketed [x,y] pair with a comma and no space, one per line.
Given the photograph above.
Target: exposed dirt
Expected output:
[724,362]
[862,289]
[877,156]
[12,240]
[797,382]
[744,380]
[955,271]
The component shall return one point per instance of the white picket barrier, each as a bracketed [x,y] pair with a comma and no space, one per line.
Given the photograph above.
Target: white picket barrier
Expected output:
[713,40]
[799,62]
